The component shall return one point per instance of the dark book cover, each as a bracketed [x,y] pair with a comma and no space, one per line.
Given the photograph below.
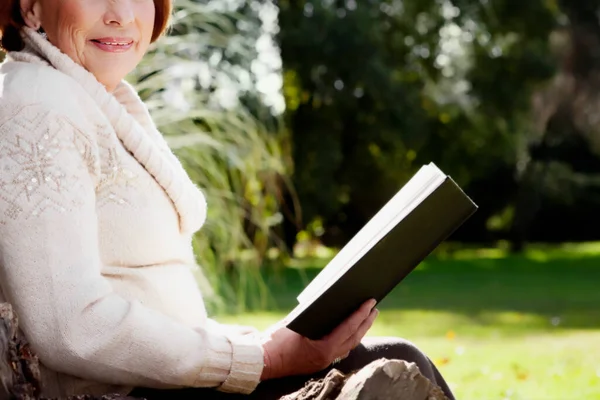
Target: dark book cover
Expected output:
[385,265]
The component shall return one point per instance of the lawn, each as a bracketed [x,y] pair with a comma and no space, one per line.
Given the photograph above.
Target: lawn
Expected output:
[498,326]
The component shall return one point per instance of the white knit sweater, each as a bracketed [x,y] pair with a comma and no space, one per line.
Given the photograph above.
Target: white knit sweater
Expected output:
[96,220]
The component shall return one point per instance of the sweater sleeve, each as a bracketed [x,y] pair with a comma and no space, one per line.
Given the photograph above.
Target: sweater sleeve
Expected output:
[232,329]
[50,269]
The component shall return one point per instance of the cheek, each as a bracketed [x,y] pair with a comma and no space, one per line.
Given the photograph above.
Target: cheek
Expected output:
[68,31]
[146,16]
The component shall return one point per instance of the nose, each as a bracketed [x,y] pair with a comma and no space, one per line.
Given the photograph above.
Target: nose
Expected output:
[119,12]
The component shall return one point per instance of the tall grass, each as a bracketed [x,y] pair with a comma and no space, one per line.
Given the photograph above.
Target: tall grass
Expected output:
[234,157]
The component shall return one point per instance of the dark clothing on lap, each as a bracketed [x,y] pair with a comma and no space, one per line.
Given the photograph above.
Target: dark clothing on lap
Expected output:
[370,350]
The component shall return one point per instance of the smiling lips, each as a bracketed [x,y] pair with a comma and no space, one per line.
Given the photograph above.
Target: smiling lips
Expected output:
[113,44]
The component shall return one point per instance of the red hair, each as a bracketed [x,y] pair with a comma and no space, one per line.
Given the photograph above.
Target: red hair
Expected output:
[11,22]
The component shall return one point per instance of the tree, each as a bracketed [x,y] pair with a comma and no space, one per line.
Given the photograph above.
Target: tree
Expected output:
[375,89]
[561,167]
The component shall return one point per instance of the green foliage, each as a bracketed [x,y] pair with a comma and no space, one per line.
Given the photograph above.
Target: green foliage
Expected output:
[348,102]
[375,89]
[187,81]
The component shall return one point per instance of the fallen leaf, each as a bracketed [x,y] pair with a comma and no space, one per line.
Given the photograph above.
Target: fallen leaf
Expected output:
[520,372]
[442,361]
[522,376]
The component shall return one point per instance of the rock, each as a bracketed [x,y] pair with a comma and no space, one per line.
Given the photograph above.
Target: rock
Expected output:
[381,380]
[323,389]
[390,379]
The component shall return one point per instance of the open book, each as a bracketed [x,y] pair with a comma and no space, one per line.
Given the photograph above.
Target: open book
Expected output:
[394,242]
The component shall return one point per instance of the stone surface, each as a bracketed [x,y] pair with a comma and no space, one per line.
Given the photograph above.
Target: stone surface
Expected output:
[381,380]
[390,379]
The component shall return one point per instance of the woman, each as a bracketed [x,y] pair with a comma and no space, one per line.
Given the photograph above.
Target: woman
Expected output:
[96,220]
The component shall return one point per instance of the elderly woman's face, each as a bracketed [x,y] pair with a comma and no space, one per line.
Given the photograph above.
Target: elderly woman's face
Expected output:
[107,37]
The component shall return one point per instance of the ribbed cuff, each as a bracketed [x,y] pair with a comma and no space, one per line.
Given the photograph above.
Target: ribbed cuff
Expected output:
[246,366]
[217,361]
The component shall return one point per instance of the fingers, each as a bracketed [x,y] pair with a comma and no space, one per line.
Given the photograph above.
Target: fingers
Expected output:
[348,334]
[362,330]
[349,327]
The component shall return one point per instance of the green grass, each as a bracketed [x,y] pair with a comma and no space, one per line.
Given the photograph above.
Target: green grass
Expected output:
[498,326]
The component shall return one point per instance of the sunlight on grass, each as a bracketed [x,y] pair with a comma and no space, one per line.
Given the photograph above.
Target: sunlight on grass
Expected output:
[548,367]
[434,324]
[498,325]
[469,254]
[571,249]
[535,251]
[454,251]
[484,361]
[426,323]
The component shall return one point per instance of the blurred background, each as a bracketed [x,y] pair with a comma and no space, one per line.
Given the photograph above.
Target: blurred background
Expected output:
[300,119]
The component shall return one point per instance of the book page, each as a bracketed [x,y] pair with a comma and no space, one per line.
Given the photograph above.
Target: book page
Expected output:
[338,272]
[387,214]
[427,179]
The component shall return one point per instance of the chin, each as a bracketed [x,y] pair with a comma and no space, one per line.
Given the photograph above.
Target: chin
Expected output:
[111,69]
[110,80]
[110,83]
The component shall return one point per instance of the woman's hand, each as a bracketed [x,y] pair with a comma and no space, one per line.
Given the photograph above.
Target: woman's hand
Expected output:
[288,353]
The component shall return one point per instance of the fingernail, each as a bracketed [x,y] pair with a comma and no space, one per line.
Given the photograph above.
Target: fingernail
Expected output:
[373,303]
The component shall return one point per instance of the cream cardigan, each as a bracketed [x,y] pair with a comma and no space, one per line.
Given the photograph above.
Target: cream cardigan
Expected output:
[96,220]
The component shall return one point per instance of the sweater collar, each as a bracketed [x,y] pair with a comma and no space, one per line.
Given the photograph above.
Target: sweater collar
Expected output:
[134,127]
